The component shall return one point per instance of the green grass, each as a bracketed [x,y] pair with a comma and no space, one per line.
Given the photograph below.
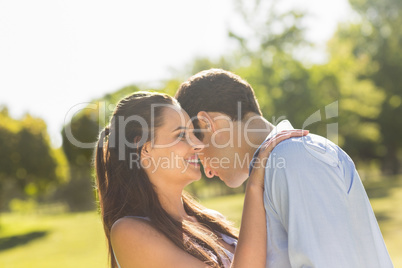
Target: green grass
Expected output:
[48,241]
[386,200]
[77,239]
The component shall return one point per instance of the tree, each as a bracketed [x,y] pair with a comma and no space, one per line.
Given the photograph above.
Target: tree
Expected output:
[269,46]
[374,42]
[84,128]
[27,161]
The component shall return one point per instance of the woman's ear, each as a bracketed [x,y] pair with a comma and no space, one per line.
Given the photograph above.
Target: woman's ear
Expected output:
[205,121]
[146,150]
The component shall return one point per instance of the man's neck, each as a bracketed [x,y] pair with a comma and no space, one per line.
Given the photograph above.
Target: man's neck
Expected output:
[257,128]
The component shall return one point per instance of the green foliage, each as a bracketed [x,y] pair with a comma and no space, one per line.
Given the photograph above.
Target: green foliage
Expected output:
[27,162]
[360,99]
[363,74]
[23,206]
[267,29]
[200,64]
[84,127]
[281,88]
[285,88]
[370,50]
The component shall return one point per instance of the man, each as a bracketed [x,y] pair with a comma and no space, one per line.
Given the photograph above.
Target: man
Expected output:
[317,211]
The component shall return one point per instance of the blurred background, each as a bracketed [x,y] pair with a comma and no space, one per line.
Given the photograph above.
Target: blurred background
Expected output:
[64,64]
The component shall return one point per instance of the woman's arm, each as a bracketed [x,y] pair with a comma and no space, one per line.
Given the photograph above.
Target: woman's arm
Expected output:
[137,244]
[251,249]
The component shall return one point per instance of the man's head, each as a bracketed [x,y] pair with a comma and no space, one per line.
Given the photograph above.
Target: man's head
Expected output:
[221,105]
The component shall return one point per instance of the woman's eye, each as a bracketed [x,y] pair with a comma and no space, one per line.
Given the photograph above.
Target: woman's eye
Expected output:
[182,135]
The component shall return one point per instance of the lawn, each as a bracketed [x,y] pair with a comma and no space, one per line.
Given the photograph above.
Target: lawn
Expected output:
[49,241]
[386,200]
[77,240]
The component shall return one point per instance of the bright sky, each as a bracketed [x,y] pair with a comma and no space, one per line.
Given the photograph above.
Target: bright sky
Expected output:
[56,54]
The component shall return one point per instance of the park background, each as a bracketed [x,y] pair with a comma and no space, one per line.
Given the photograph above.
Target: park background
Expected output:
[48,204]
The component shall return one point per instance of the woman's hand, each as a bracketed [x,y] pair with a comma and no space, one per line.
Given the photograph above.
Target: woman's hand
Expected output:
[257,174]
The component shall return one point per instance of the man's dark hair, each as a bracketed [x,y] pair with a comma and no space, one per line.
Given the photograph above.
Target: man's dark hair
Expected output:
[217,90]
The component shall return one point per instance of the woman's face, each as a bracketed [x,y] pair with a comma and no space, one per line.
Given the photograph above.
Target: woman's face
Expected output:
[173,152]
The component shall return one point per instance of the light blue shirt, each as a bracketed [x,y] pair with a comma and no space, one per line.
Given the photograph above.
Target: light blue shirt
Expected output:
[318,213]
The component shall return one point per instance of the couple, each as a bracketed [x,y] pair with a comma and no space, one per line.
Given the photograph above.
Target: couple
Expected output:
[305,205]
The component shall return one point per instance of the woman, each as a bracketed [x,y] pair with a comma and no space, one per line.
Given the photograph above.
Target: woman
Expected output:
[144,159]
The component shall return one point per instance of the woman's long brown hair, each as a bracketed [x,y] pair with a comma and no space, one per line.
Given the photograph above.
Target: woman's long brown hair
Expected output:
[125,190]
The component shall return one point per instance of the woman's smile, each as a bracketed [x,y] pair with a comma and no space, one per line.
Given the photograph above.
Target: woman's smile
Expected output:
[193,160]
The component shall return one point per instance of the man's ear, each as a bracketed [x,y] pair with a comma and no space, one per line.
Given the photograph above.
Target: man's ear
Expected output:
[205,121]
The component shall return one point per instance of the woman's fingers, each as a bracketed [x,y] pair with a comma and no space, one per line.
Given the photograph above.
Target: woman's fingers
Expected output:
[269,145]
[257,175]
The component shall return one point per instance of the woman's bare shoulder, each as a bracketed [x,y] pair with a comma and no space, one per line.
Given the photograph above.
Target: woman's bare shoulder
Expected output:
[130,227]
[137,243]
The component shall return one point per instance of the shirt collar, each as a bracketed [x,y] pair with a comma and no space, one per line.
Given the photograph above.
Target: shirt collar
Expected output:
[283,125]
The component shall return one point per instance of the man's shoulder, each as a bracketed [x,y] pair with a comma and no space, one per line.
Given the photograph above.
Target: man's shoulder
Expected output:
[313,147]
